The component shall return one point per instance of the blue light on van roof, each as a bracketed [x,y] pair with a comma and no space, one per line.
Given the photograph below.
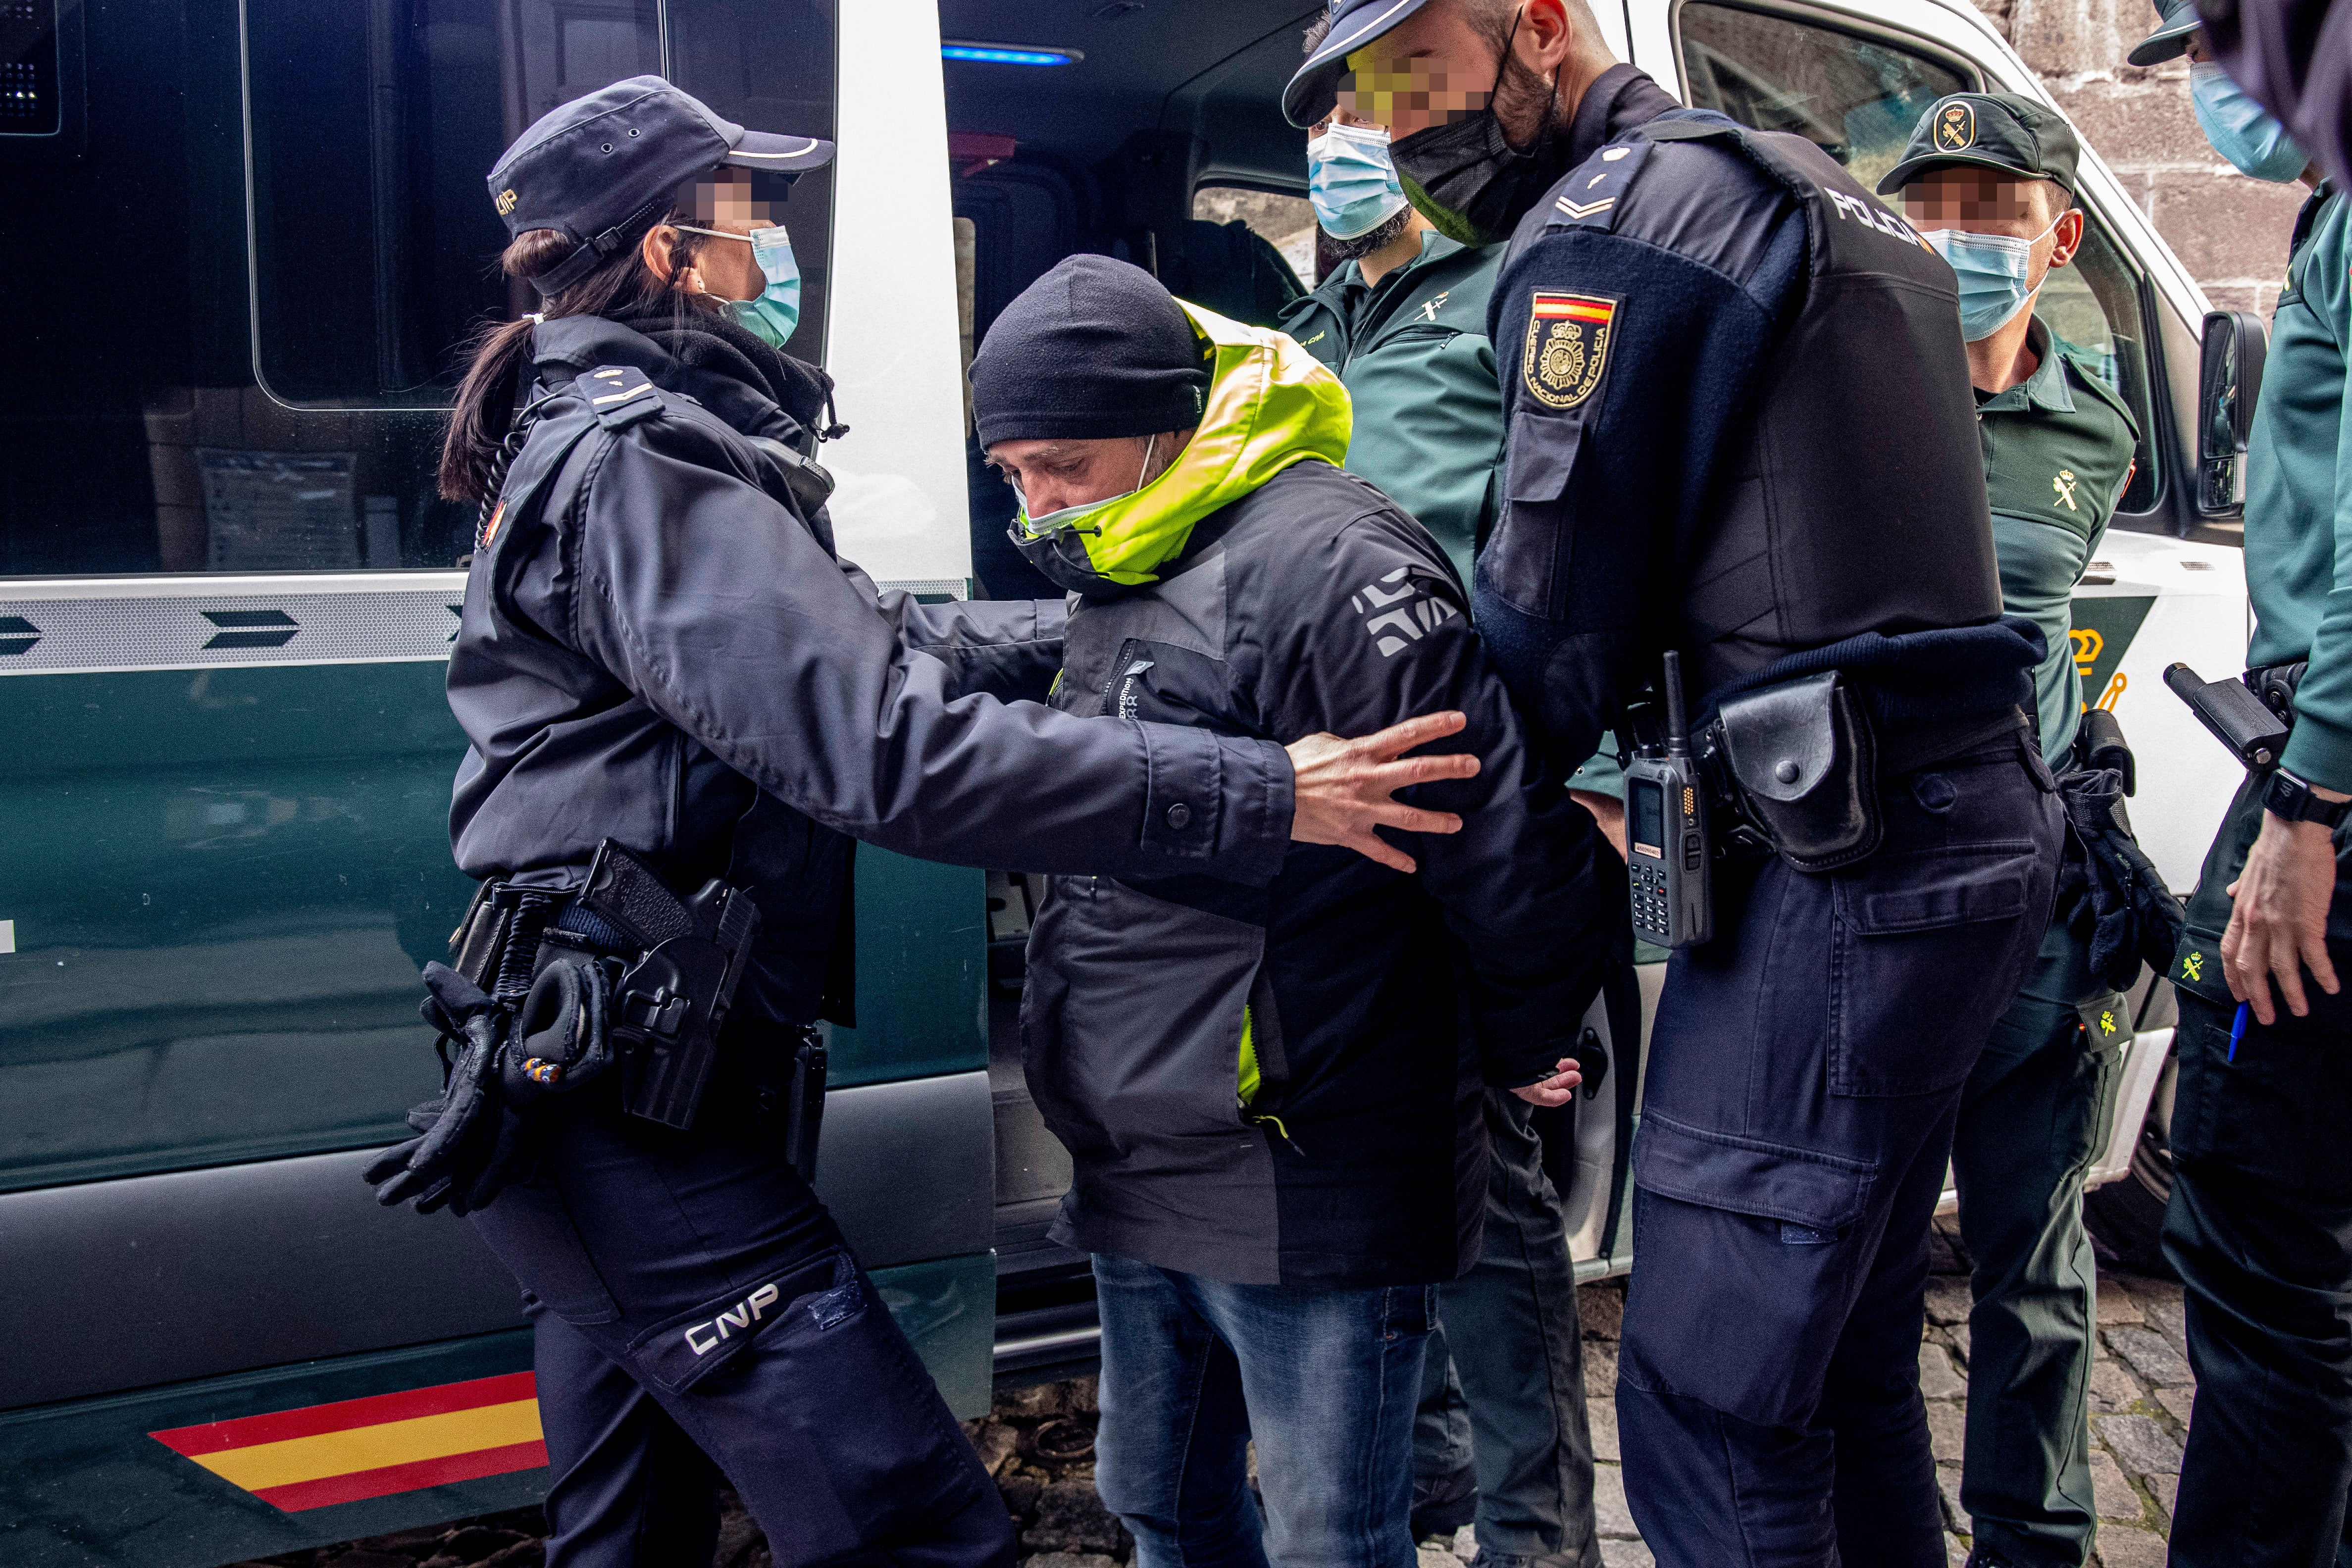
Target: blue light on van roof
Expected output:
[1007,54]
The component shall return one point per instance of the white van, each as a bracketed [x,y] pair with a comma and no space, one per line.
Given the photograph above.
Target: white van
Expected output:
[244,239]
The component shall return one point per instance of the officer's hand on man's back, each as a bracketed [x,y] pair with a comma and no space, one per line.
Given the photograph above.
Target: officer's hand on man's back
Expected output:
[1343,789]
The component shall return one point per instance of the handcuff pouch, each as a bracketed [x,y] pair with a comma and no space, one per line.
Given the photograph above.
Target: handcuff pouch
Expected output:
[1802,768]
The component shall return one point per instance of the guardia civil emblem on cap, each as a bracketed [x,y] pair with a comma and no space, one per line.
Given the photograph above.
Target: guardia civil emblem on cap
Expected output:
[1956,127]
[1567,346]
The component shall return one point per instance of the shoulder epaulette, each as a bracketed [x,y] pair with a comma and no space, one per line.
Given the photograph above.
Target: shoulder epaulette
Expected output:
[1588,197]
[621,395]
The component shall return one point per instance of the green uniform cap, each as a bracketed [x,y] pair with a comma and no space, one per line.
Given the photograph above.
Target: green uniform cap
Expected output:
[2175,20]
[1991,130]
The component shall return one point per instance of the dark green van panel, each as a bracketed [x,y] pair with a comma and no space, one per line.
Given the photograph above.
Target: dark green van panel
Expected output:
[83,1485]
[223,882]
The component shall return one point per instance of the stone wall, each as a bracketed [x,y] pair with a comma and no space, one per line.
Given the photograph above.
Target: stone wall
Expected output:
[2229,231]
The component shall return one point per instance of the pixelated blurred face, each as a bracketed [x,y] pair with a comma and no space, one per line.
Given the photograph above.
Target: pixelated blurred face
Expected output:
[1430,70]
[1981,201]
[727,202]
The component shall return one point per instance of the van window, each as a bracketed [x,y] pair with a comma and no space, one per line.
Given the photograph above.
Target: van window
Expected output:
[261,389]
[1285,223]
[1246,254]
[1857,96]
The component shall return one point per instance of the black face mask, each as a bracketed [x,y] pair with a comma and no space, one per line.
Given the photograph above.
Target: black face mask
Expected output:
[1469,182]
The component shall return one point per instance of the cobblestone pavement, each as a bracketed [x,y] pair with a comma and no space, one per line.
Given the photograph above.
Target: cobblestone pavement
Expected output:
[1038,1443]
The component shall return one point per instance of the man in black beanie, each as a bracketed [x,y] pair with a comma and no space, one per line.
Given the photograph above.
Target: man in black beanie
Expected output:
[1272,1097]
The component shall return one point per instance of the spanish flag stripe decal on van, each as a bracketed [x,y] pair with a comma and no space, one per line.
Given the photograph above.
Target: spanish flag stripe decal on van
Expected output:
[1572,307]
[357,1449]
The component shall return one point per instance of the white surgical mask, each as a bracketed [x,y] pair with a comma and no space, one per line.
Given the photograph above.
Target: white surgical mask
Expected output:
[1070,517]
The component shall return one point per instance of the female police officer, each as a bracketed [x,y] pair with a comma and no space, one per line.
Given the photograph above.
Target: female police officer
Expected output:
[660,649]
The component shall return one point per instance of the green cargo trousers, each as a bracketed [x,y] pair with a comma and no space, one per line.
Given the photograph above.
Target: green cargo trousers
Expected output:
[2033,1119]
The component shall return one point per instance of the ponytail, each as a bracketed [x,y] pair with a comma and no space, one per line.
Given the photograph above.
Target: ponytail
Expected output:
[473,463]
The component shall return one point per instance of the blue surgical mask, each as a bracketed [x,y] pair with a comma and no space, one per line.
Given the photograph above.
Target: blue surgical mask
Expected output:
[2241,129]
[1351,180]
[770,315]
[1991,270]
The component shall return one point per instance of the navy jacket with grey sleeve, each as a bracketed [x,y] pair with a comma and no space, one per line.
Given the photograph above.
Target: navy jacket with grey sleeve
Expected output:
[658,647]
[1283,1085]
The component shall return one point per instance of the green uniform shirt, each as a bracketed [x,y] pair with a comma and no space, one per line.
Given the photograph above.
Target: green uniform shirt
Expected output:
[2299,496]
[2057,454]
[1413,353]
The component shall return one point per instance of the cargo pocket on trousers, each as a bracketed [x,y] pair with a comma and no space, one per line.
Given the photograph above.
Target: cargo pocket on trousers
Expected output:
[1926,952]
[531,1231]
[828,1421]
[1749,1253]
[685,1350]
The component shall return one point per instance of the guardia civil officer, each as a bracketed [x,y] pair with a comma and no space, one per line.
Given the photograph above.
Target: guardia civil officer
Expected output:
[1989,179]
[1739,427]
[2260,1224]
[682,707]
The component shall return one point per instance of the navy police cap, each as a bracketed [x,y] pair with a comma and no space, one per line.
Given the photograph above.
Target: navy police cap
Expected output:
[2176,22]
[1354,24]
[597,168]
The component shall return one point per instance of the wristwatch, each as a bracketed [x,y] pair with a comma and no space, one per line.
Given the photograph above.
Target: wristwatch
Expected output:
[2288,796]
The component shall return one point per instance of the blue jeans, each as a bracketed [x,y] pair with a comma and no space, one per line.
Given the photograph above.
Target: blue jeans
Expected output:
[1325,1380]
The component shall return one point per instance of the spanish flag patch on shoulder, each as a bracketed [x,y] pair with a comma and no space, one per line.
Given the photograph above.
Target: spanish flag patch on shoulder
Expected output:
[359,1448]
[1566,346]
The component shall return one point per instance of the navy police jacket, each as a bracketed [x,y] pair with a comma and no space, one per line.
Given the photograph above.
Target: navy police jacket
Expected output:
[658,647]
[1738,425]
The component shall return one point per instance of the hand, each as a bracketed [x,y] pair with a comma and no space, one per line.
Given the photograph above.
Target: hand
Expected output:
[2278,926]
[1608,811]
[1556,1090]
[1342,789]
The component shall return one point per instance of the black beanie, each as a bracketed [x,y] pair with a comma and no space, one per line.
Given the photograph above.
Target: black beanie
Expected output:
[1095,348]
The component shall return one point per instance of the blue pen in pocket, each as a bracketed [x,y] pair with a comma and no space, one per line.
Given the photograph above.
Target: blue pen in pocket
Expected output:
[2238,1029]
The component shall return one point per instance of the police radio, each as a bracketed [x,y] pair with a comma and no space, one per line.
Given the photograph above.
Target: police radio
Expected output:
[1668,857]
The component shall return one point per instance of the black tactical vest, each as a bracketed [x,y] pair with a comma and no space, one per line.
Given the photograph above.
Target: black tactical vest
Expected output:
[1856,500]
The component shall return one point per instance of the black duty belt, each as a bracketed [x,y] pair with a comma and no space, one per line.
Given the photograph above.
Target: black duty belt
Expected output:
[1908,747]
[668,976]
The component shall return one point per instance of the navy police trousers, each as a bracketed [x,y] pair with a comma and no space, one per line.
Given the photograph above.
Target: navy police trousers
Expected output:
[1803,1081]
[697,1314]
[2260,1230]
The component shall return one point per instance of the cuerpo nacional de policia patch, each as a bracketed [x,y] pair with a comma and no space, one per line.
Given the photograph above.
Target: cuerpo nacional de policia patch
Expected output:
[1567,346]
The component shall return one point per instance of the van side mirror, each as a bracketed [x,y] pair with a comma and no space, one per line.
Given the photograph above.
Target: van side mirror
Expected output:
[2229,375]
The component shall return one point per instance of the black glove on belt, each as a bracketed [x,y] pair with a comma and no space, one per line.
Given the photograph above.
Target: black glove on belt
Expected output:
[477,1136]
[2108,888]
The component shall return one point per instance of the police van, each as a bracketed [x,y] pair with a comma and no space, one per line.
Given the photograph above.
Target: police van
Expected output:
[246,239]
